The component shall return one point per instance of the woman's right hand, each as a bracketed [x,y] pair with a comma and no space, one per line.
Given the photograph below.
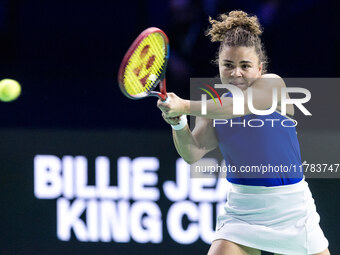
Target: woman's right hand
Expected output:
[171,120]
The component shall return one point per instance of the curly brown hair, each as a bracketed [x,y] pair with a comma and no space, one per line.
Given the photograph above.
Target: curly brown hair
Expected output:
[235,29]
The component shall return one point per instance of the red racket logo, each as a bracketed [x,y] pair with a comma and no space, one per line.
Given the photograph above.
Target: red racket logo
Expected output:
[149,63]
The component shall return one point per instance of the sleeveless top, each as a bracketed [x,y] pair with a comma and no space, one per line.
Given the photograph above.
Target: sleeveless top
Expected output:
[260,150]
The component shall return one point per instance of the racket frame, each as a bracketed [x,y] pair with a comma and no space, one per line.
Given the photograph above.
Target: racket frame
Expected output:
[160,80]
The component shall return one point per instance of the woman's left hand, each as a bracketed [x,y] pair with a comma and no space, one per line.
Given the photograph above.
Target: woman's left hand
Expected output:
[174,106]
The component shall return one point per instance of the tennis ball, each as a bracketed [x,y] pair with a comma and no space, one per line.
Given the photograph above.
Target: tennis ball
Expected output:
[9,90]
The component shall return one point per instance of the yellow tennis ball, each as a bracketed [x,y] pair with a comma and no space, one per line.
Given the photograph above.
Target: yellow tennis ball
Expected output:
[9,90]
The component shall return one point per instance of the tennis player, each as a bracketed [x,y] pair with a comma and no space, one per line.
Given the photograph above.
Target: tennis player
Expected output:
[275,213]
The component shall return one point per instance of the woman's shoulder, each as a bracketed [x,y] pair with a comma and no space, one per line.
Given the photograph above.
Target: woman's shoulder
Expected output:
[270,75]
[270,80]
[278,82]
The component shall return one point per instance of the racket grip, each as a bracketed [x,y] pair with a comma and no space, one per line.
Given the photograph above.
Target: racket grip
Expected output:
[167,100]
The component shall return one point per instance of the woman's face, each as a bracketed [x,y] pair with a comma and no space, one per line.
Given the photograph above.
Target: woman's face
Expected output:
[239,66]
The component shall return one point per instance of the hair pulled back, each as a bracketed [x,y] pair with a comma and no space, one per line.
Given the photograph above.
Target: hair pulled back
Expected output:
[235,29]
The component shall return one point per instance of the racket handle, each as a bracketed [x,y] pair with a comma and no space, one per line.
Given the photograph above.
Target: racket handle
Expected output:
[167,100]
[163,95]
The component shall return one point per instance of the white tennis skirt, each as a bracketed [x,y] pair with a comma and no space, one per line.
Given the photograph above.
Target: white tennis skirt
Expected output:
[280,219]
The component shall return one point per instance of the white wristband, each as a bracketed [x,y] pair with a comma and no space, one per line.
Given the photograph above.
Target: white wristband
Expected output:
[182,123]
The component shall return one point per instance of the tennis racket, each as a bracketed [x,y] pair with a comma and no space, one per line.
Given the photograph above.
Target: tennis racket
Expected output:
[144,65]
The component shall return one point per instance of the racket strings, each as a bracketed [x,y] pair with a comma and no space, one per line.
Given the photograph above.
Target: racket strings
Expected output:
[145,65]
[145,74]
